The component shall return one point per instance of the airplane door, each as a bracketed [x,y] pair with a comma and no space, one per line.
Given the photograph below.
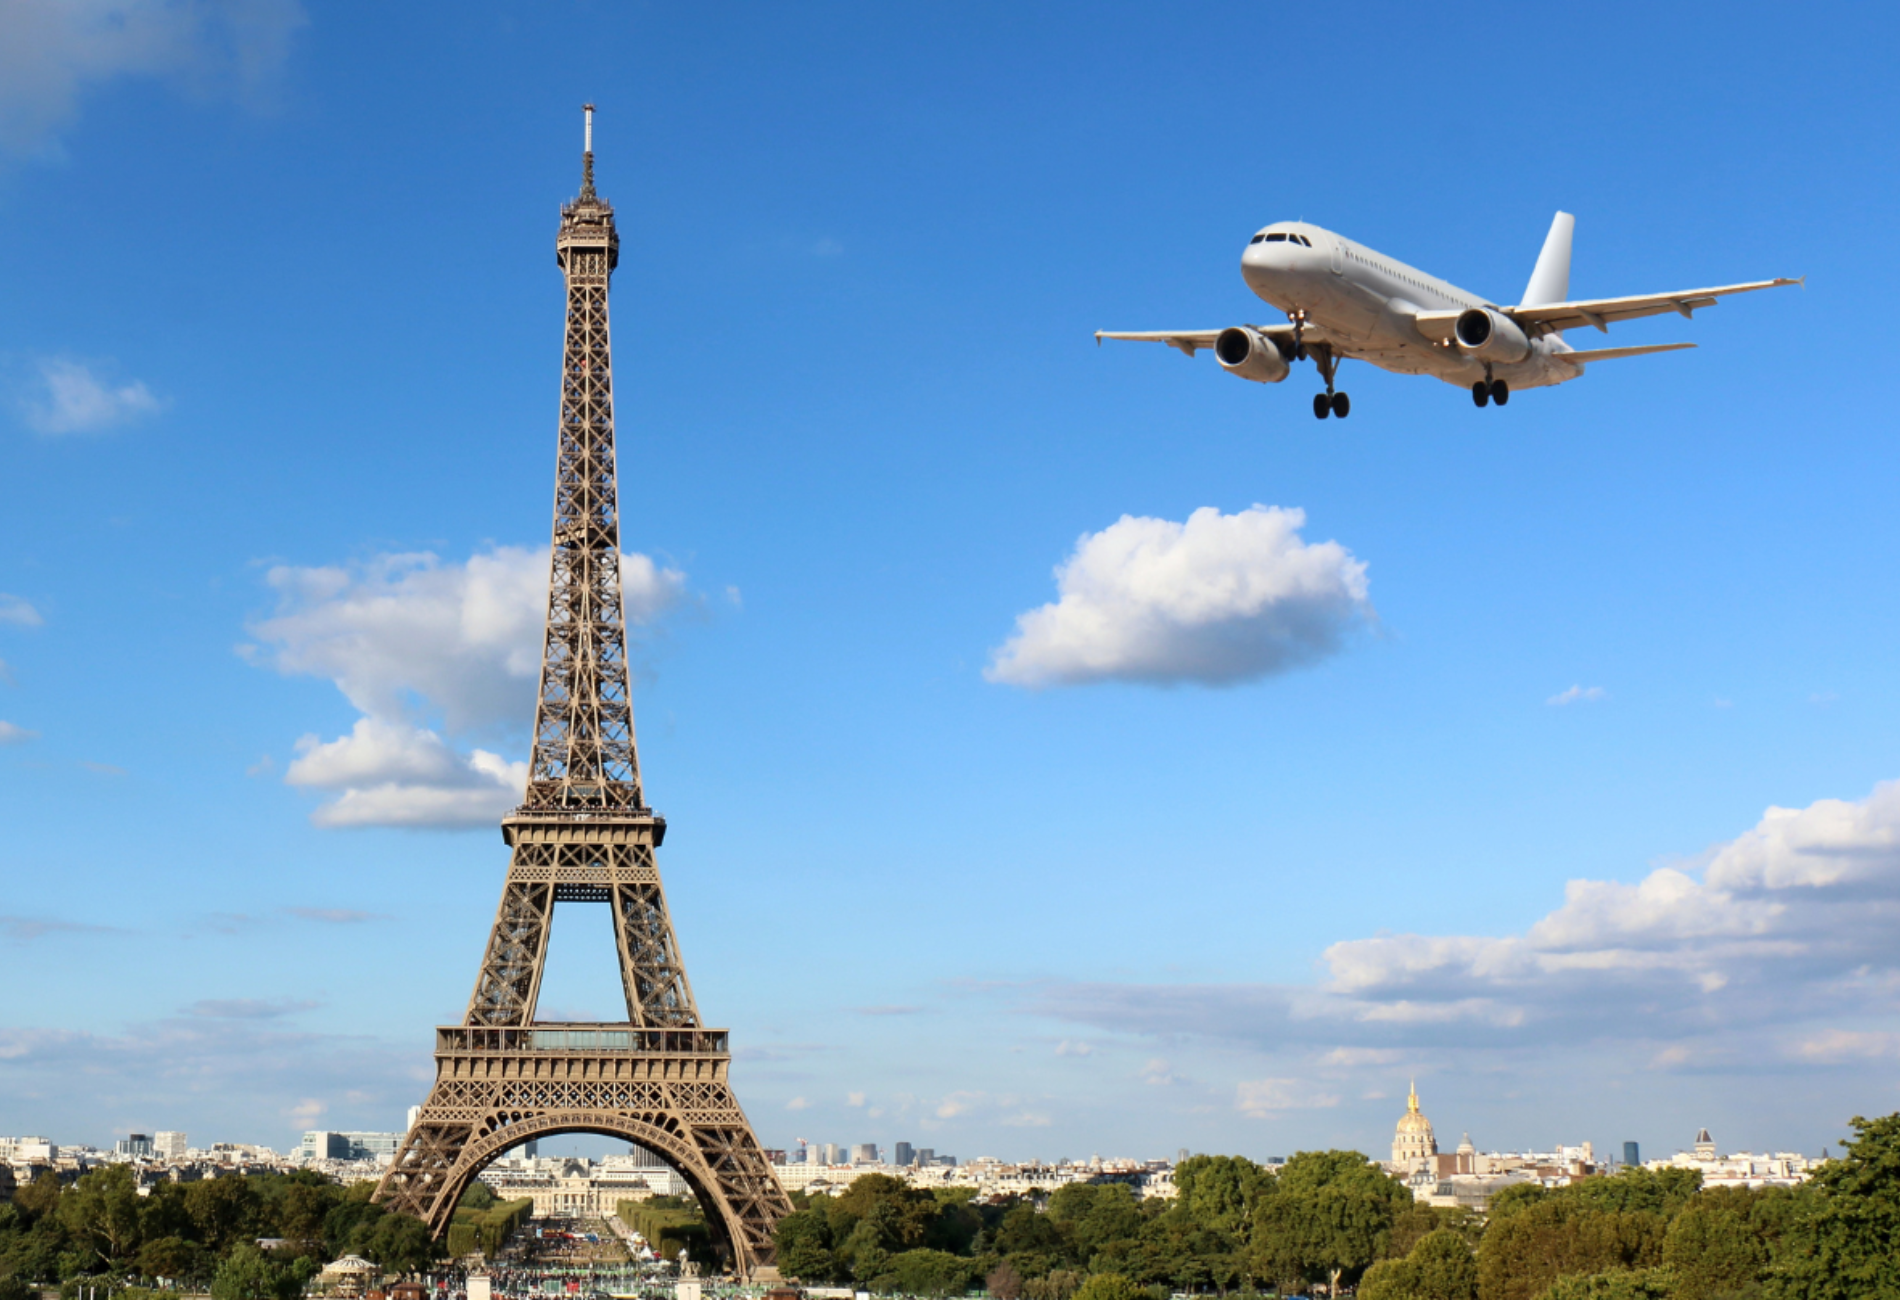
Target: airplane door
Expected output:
[1339,256]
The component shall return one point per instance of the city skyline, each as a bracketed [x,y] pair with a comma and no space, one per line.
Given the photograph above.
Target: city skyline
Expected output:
[1577,803]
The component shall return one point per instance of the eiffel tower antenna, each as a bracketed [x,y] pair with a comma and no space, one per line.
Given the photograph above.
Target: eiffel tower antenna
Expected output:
[584,834]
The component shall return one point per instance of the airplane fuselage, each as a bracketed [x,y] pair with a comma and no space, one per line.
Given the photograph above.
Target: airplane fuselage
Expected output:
[1366,304]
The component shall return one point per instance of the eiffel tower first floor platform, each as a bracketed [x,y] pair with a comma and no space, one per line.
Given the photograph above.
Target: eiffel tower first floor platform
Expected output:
[664,1089]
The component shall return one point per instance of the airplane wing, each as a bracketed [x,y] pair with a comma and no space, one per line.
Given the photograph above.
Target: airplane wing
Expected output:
[1191,341]
[1614,354]
[1600,312]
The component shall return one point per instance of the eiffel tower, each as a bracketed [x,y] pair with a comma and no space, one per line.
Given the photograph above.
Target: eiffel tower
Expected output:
[584,834]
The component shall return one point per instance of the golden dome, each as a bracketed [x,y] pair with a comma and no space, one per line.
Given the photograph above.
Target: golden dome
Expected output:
[1413,1120]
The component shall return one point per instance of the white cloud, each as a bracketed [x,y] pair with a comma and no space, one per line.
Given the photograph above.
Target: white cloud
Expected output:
[410,640]
[958,1103]
[1073,1047]
[798,1103]
[1578,695]
[1217,600]
[1265,1098]
[1774,947]
[10,734]
[68,397]
[392,774]
[855,1098]
[55,49]
[18,612]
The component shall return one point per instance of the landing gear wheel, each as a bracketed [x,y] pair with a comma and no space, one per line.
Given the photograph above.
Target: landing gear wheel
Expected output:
[1480,393]
[1322,406]
[1500,391]
[1342,405]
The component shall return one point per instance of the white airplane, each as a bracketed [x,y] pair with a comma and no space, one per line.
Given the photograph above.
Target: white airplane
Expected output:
[1344,300]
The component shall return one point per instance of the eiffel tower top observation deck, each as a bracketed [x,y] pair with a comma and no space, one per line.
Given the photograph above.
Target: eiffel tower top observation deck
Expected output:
[585,759]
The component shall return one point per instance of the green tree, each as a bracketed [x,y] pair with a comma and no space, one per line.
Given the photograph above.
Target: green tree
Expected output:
[39,1198]
[1715,1247]
[1091,1216]
[1556,1236]
[101,1211]
[224,1212]
[1624,1284]
[13,1287]
[804,1246]
[172,1258]
[247,1273]
[927,1273]
[1844,1238]
[1109,1286]
[1329,1216]
[400,1243]
[1222,1191]
[1440,1267]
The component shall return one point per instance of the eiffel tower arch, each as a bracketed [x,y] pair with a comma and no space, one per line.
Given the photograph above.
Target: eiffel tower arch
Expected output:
[584,833]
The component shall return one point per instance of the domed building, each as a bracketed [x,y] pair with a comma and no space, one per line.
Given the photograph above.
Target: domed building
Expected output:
[1413,1144]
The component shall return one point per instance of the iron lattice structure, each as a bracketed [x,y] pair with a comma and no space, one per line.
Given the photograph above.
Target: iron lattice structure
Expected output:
[584,834]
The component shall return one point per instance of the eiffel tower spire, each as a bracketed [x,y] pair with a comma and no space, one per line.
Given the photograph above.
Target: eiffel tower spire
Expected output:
[584,753]
[583,834]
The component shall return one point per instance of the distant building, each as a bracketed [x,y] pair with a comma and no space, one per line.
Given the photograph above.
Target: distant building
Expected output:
[133,1144]
[1413,1144]
[1741,1169]
[864,1153]
[926,1156]
[169,1144]
[902,1156]
[834,1154]
[1632,1155]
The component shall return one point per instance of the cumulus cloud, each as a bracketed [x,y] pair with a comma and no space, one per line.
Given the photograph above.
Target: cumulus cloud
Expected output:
[1266,1098]
[394,774]
[55,49]
[1217,600]
[428,652]
[68,397]
[798,1103]
[18,612]
[1773,947]
[1578,695]
[13,734]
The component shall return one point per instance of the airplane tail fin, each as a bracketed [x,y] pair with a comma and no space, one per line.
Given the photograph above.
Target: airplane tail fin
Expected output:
[1550,280]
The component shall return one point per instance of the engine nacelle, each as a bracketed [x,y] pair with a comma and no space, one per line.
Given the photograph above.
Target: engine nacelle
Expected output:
[1487,335]
[1250,354]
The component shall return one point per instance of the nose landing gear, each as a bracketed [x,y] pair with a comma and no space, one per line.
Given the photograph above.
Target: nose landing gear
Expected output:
[1328,402]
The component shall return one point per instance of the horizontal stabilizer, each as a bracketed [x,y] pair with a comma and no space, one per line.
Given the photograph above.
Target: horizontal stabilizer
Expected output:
[1616,354]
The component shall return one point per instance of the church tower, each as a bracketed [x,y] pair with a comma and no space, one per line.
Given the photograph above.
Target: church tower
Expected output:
[1413,1144]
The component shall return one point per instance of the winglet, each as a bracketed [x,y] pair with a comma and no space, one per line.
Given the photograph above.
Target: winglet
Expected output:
[1098,338]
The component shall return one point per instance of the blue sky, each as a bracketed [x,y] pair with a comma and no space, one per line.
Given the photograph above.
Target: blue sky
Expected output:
[279,331]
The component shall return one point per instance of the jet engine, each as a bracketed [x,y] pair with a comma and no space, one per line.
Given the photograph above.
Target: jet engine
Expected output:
[1245,351]
[1487,335]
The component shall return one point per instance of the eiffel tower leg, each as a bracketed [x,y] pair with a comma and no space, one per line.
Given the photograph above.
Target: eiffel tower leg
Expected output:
[509,984]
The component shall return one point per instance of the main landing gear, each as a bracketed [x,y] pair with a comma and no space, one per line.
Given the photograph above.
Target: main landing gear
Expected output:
[1328,402]
[1490,390]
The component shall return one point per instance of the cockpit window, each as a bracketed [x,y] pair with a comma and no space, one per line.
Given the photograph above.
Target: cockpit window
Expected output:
[1276,237]
[1256,239]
